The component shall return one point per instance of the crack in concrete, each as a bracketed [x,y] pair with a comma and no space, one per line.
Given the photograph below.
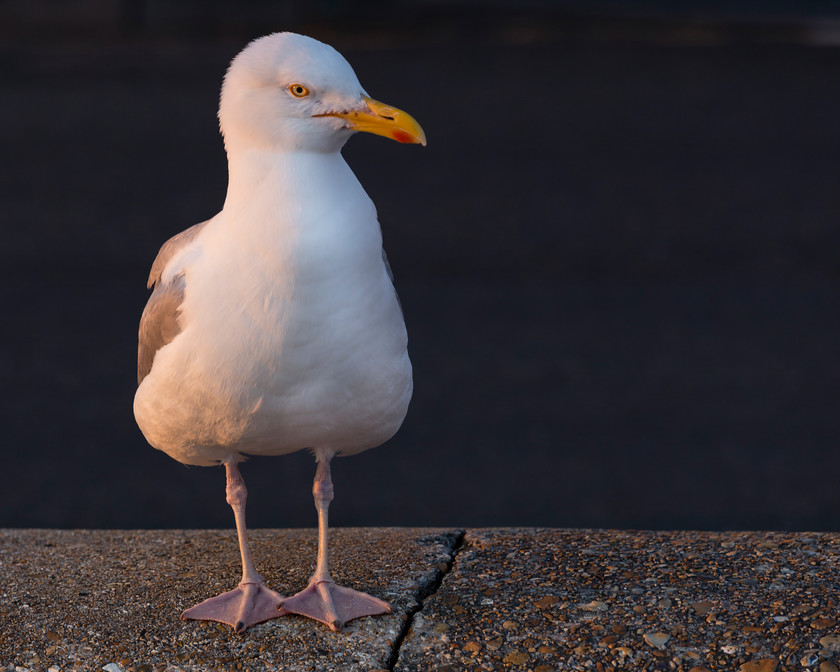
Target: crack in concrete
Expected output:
[423,593]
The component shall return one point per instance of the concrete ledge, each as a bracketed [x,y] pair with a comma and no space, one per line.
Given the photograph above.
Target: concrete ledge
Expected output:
[87,599]
[537,600]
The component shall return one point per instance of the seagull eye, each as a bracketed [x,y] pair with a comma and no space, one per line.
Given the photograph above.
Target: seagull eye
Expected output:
[298,90]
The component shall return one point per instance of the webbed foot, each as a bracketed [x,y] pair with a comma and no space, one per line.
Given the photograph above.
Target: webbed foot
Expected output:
[334,605]
[244,606]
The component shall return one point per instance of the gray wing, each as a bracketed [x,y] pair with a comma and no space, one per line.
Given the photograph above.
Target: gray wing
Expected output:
[387,266]
[391,276]
[169,248]
[159,322]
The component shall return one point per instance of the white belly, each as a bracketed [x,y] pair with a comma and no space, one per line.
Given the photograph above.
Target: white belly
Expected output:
[288,342]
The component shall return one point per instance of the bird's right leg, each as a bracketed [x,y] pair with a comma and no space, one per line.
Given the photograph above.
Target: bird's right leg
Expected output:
[322,599]
[251,601]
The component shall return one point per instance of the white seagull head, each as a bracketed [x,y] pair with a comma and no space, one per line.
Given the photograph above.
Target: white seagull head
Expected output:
[286,92]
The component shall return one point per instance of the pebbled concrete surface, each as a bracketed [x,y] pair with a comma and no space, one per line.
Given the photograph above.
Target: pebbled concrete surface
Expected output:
[83,600]
[534,600]
[545,600]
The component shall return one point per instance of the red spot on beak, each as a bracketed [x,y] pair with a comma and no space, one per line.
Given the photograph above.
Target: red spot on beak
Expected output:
[402,136]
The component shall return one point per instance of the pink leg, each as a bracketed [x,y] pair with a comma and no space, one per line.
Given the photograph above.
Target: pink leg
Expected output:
[251,601]
[322,600]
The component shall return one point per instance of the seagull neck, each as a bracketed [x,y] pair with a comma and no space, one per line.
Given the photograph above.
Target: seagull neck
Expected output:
[283,173]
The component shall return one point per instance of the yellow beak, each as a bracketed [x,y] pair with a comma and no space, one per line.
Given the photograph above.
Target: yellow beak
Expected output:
[384,120]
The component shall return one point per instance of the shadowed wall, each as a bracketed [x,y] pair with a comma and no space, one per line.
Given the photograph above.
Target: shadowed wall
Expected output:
[618,260]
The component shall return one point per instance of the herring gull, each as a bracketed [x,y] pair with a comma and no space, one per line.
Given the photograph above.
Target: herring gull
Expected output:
[274,326]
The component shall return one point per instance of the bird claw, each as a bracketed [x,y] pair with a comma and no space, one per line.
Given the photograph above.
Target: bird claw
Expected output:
[334,605]
[244,606]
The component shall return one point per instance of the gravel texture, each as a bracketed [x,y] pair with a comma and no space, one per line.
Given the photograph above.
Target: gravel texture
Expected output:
[545,600]
[86,600]
[523,599]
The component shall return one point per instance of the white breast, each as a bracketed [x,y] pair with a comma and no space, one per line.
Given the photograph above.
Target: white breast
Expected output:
[292,334]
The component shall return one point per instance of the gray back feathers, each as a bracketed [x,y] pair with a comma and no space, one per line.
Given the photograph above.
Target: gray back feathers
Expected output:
[159,322]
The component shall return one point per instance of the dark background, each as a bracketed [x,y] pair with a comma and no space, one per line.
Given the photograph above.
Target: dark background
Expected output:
[618,259]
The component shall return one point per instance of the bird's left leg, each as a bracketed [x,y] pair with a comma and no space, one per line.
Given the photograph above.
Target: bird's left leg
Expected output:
[251,601]
[322,599]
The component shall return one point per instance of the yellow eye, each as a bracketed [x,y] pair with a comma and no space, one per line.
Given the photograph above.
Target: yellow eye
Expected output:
[298,90]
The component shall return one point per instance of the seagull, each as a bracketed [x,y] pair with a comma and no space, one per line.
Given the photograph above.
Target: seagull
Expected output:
[274,326]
